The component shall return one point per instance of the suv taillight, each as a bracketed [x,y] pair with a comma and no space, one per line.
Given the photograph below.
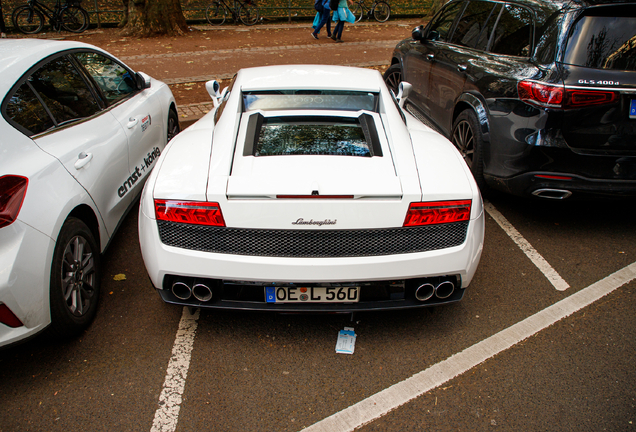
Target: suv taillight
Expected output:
[437,212]
[12,191]
[189,212]
[557,96]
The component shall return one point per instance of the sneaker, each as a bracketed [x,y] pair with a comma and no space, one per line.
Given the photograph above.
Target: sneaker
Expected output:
[339,40]
[333,37]
[314,35]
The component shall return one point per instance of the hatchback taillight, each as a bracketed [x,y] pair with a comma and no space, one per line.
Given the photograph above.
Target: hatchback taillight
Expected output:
[12,191]
[437,212]
[557,96]
[190,212]
[8,318]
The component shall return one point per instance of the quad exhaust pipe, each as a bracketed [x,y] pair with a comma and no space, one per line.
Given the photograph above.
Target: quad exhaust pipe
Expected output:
[198,290]
[427,290]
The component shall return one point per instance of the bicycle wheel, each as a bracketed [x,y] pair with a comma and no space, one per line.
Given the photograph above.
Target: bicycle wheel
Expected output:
[357,10]
[27,20]
[248,14]
[216,13]
[74,19]
[381,11]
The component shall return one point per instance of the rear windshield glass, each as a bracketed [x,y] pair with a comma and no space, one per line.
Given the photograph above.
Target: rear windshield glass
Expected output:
[605,38]
[296,135]
[310,99]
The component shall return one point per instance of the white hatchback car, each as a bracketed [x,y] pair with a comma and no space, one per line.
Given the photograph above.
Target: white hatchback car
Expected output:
[79,134]
[309,189]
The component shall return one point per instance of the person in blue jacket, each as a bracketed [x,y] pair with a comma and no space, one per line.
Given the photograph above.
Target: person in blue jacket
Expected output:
[322,6]
[340,15]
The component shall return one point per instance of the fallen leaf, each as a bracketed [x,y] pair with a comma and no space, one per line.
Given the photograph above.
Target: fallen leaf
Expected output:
[119,277]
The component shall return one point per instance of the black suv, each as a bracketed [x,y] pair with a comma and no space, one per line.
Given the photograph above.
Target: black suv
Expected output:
[539,96]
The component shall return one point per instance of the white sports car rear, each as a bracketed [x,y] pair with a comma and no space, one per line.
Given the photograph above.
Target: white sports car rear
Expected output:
[309,189]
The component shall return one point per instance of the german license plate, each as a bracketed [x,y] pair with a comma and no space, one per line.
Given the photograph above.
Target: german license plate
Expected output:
[312,294]
[632,109]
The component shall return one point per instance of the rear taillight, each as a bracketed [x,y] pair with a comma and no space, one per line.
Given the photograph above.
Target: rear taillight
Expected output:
[189,212]
[541,94]
[8,318]
[557,96]
[12,191]
[438,212]
[575,98]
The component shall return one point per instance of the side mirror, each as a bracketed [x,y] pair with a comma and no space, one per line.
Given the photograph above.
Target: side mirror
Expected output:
[213,88]
[418,33]
[142,80]
[404,89]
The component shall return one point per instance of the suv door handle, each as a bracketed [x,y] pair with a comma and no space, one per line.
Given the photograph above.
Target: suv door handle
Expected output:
[430,56]
[462,67]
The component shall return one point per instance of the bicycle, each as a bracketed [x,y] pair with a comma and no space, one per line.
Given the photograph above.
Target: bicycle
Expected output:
[70,16]
[245,11]
[380,10]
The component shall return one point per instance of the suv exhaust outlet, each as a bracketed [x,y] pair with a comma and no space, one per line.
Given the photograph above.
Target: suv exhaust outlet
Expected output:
[556,194]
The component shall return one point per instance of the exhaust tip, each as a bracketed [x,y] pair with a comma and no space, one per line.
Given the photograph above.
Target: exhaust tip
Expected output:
[181,291]
[555,194]
[424,292]
[202,292]
[444,290]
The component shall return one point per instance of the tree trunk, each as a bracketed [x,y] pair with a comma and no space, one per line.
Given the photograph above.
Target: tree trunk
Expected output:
[155,17]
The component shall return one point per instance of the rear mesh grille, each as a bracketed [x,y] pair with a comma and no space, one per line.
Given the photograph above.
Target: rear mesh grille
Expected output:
[312,243]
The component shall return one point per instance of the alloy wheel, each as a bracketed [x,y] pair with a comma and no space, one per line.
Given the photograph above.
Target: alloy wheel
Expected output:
[464,140]
[78,276]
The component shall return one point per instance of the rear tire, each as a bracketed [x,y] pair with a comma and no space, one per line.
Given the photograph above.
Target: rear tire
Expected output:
[216,14]
[468,139]
[382,11]
[74,19]
[75,280]
[248,14]
[27,20]
[393,77]
[357,11]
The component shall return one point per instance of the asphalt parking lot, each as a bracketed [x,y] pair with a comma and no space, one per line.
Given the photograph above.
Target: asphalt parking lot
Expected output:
[542,341]
[247,371]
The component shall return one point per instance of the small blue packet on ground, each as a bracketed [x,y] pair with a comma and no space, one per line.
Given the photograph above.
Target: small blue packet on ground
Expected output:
[346,341]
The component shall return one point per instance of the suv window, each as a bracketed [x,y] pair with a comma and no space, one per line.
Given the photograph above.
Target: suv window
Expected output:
[443,23]
[475,25]
[604,38]
[115,81]
[513,33]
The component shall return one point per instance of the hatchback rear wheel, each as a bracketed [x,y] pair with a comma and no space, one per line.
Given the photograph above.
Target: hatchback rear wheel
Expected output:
[75,279]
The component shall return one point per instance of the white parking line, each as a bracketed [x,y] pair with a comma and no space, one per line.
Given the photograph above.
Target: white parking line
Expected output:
[545,268]
[399,394]
[167,414]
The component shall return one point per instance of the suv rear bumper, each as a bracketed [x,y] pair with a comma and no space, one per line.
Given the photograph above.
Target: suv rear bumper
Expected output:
[552,185]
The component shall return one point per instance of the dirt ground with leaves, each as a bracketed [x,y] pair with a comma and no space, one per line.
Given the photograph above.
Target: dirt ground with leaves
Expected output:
[197,54]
